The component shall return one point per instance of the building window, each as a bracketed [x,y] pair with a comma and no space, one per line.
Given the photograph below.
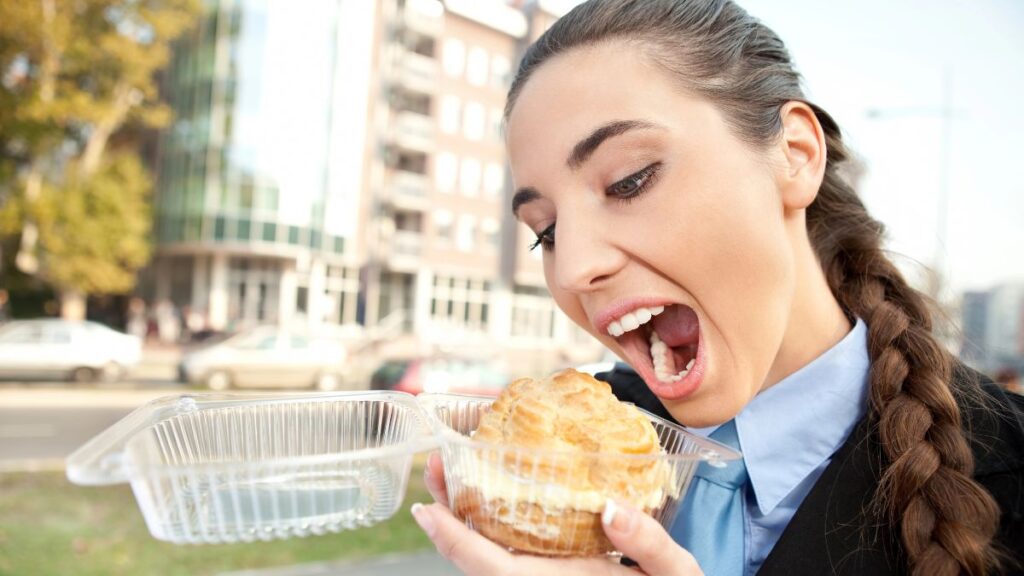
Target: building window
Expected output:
[533,314]
[494,179]
[243,229]
[408,161]
[469,176]
[445,168]
[342,289]
[269,232]
[489,228]
[476,66]
[454,57]
[473,121]
[450,108]
[219,228]
[500,69]
[464,240]
[460,303]
[444,226]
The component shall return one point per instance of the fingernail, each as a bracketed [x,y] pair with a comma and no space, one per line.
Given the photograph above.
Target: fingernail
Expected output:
[616,517]
[422,517]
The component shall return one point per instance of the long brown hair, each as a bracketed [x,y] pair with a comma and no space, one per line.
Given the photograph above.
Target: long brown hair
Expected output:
[715,49]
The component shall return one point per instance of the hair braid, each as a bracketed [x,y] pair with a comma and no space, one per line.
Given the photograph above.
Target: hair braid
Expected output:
[946,519]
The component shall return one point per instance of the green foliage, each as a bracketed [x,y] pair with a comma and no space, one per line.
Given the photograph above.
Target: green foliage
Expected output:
[78,84]
[94,229]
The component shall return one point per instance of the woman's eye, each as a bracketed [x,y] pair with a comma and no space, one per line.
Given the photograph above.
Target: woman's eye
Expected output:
[632,186]
[545,238]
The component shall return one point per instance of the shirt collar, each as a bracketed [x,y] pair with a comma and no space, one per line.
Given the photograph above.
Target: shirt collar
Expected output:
[821,404]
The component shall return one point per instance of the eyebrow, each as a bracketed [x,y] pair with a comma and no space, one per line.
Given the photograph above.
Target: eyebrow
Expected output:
[522,196]
[585,148]
[582,152]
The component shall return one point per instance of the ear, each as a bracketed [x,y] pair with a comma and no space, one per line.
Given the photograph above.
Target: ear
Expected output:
[803,149]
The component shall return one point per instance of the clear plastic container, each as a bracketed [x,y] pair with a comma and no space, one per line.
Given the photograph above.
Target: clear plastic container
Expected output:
[530,500]
[212,468]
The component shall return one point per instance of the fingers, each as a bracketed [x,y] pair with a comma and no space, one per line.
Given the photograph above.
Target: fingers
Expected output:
[643,539]
[475,555]
[433,477]
[470,552]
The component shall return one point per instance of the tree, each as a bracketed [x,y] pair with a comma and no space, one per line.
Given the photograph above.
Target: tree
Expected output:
[78,87]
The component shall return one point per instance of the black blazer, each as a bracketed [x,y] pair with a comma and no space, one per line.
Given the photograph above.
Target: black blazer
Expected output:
[833,531]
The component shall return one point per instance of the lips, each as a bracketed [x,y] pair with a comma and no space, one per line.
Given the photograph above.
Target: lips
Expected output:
[662,343]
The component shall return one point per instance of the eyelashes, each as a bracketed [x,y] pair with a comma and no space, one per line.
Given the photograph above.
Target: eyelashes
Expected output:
[625,190]
[545,238]
[635,184]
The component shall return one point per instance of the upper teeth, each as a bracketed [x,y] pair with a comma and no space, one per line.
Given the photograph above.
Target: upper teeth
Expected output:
[633,320]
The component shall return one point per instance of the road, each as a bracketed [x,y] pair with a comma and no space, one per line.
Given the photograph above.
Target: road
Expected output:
[42,423]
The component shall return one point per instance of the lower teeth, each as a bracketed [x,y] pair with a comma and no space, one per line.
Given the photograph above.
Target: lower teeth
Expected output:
[659,350]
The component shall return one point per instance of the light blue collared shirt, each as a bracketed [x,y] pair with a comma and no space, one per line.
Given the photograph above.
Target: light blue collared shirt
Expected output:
[789,432]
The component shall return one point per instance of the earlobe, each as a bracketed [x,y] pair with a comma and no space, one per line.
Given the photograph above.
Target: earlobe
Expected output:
[803,148]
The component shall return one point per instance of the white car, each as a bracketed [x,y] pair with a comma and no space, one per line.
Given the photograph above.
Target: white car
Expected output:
[267,357]
[53,348]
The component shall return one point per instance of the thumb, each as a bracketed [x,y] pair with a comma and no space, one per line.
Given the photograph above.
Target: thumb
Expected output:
[644,540]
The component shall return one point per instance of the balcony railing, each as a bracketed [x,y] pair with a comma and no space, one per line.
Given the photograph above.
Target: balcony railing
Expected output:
[406,244]
[424,16]
[414,131]
[416,72]
[407,190]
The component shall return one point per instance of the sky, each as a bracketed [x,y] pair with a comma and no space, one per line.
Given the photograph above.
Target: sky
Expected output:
[902,59]
[893,57]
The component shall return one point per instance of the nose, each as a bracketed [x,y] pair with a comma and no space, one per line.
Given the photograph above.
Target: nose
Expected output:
[586,255]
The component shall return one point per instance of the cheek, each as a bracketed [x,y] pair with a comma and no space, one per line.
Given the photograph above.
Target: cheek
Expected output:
[732,254]
[725,233]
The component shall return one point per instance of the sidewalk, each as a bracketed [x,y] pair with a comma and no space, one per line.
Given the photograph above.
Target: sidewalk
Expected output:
[420,564]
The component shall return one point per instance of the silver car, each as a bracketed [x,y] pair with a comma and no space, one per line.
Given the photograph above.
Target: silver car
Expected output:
[54,348]
[267,357]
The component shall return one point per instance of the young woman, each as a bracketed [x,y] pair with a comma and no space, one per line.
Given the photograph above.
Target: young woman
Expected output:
[666,157]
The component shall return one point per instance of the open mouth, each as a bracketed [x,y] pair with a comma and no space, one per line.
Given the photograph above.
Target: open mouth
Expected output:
[662,343]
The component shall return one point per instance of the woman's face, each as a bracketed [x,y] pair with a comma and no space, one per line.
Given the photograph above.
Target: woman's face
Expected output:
[670,241]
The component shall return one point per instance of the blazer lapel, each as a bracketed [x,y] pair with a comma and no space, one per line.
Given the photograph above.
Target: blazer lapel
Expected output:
[833,532]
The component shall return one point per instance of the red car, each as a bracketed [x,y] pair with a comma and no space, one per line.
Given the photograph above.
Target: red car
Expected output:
[444,375]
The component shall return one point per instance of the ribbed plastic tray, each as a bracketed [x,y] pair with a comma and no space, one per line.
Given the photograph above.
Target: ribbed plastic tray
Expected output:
[212,468]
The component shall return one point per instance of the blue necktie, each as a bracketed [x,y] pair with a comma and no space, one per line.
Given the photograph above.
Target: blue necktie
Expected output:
[710,520]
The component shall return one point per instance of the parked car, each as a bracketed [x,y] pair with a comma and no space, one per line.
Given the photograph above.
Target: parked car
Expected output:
[53,348]
[447,375]
[266,357]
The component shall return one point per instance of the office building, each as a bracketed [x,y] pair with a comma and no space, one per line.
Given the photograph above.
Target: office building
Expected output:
[342,167]
[992,325]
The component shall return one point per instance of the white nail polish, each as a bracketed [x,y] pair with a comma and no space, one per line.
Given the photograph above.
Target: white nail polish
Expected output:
[608,516]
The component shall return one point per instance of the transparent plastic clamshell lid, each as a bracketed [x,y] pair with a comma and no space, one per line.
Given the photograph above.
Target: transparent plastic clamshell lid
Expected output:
[212,468]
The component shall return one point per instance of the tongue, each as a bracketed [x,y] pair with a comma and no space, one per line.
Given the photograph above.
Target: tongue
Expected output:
[677,326]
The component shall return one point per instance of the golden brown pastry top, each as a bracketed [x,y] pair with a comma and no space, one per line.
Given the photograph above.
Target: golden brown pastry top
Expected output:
[574,412]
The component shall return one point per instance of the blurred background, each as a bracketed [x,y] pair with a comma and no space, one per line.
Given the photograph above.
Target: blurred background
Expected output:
[224,194]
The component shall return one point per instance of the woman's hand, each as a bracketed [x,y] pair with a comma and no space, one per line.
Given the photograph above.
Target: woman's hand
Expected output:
[635,534]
